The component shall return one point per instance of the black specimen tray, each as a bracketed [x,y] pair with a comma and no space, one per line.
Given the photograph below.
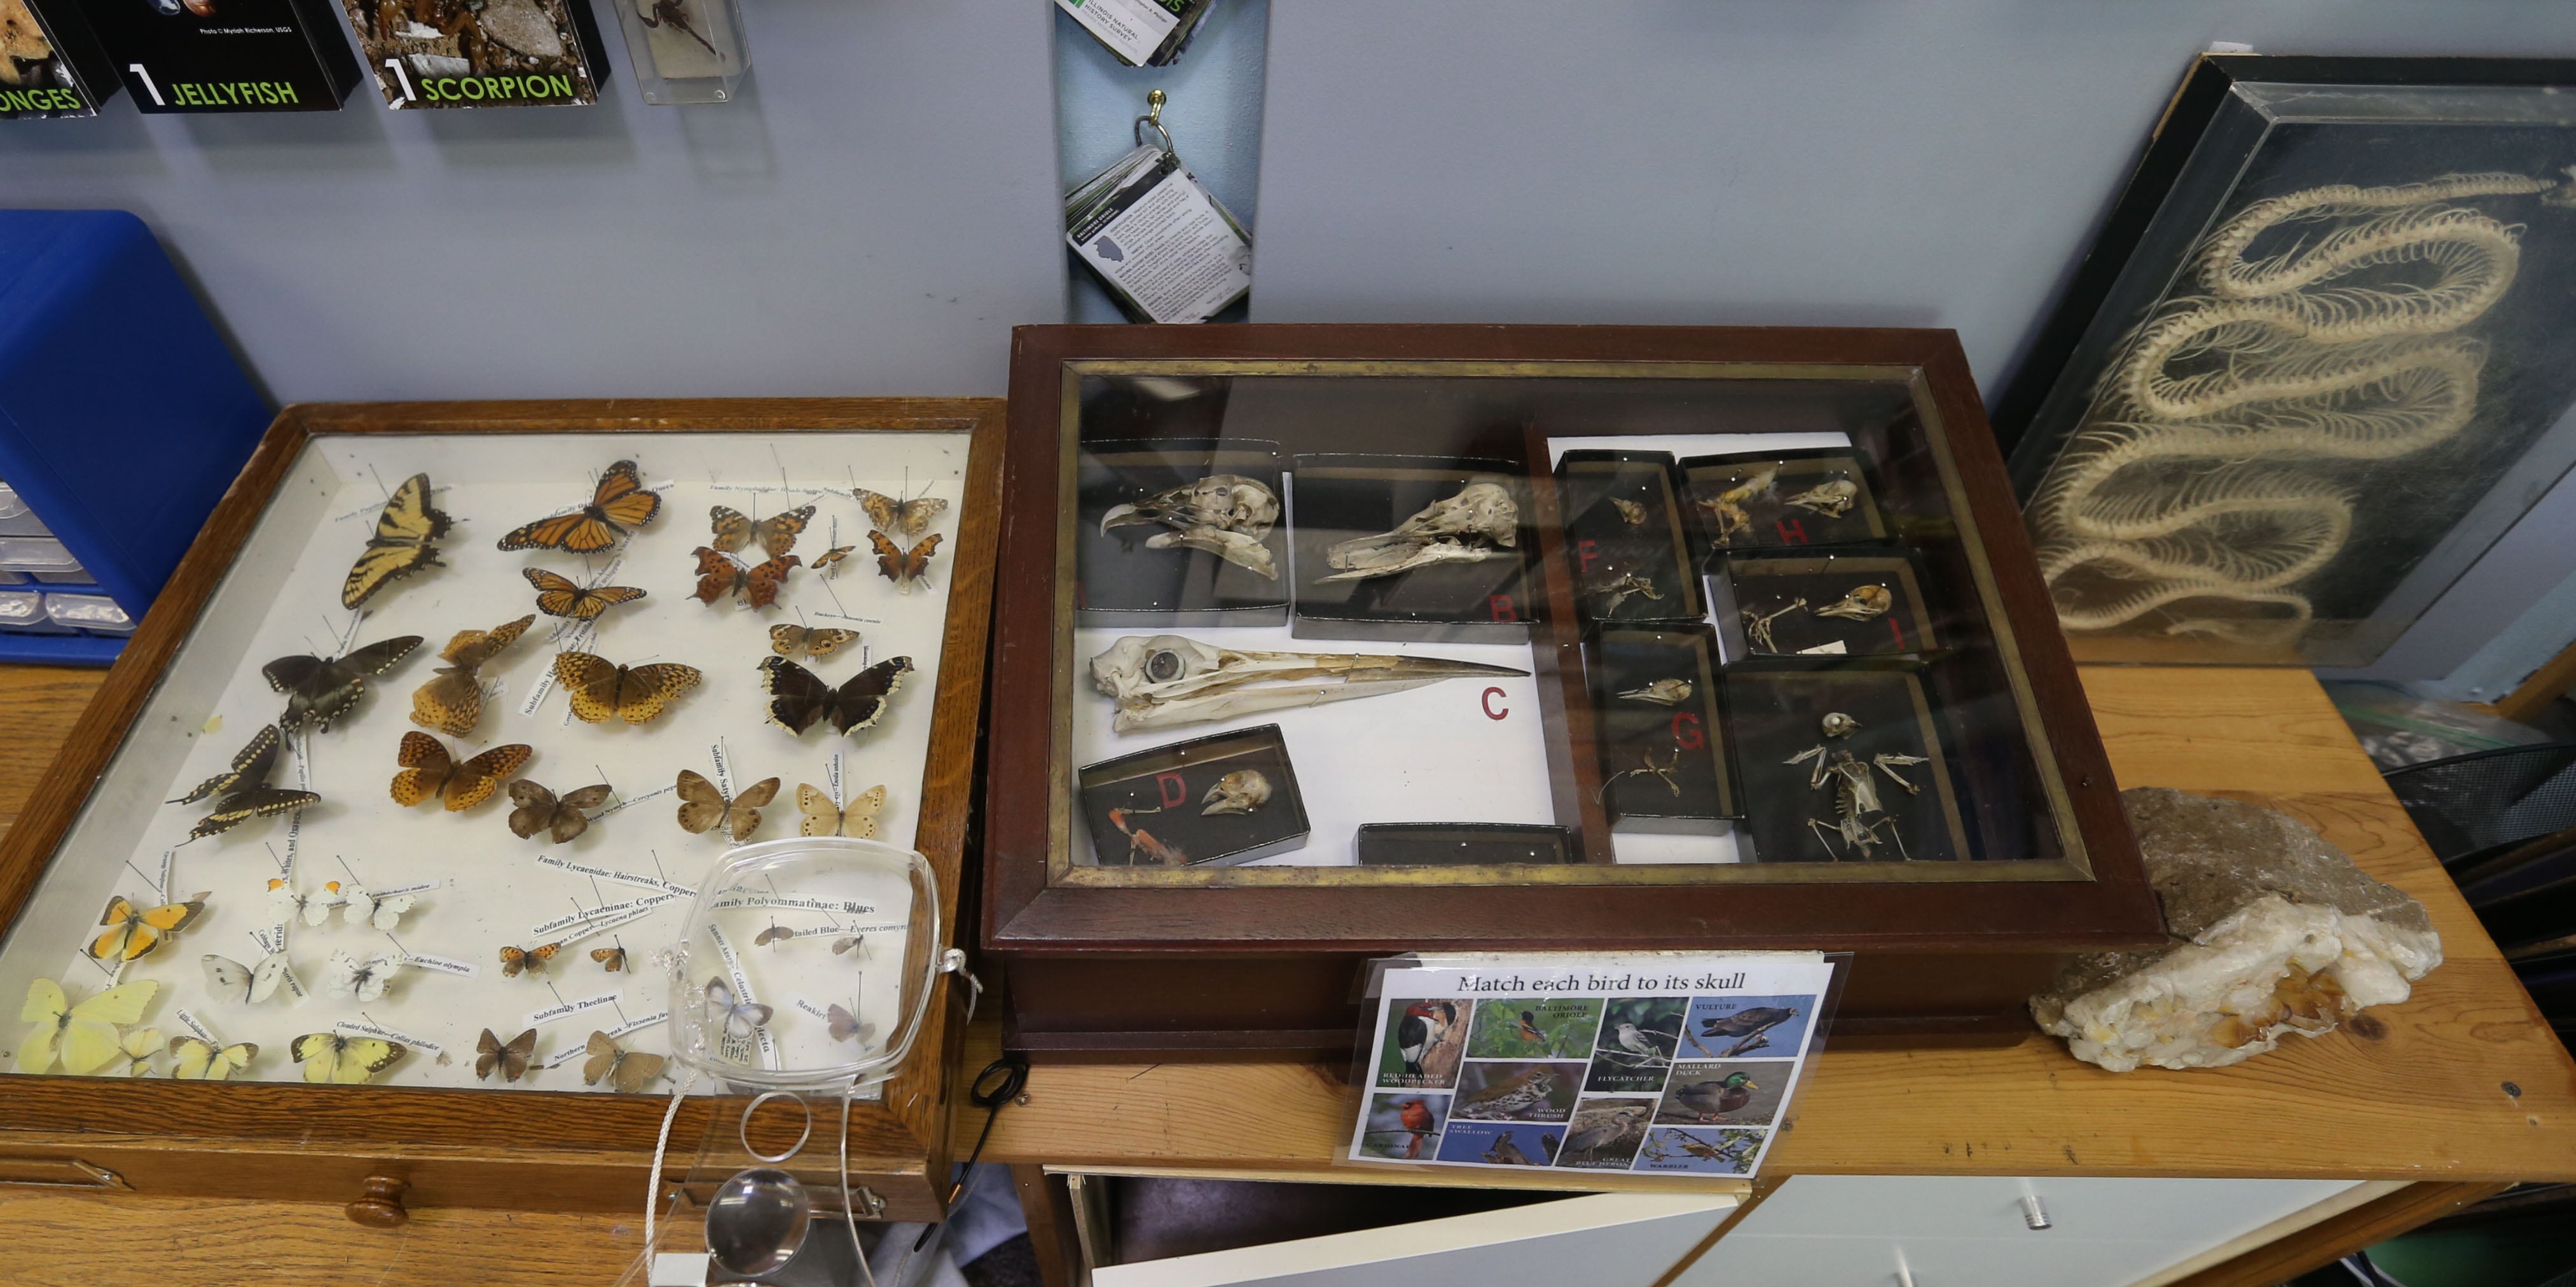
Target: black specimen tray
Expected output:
[1462,844]
[1686,739]
[1160,792]
[1768,518]
[1751,586]
[1121,582]
[1779,715]
[1602,546]
[1336,498]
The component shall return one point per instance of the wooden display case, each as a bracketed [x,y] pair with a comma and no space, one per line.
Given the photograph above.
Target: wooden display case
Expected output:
[1264,959]
[433,1135]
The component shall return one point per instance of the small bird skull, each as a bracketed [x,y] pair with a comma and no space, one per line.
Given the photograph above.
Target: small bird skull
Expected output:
[1241,791]
[1837,724]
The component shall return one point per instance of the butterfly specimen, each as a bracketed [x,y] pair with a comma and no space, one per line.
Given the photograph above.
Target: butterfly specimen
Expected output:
[828,562]
[617,508]
[528,960]
[133,931]
[197,1059]
[383,911]
[799,699]
[774,934]
[627,1070]
[823,818]
[245,789]
[452,701]
[600,691]
[702,806]
[558,597]
[776,534]
[511,1059]
[904,568]
[83,1036]
[286,902]
[900,518]
[787,640]
[401,543]
[611,959]
[739,1018]
[319,691]
[561,817]
[719,575]
[428,770]
[330,1057]
[845,1026]
[136,1050]
[347,976]
[850,944]
[251,984]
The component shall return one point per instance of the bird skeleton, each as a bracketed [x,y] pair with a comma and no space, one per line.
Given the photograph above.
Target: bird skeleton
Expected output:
[1614,593]
[1727,507]
[1226,515]
[1758,626]
[1164,681]
[1478,523]
[1856,796]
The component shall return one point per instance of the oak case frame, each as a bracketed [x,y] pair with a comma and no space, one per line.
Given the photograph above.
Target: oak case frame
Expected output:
[552,1150]
[1260,963]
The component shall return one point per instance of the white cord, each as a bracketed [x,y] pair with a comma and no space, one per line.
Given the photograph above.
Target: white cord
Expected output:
[653,1178]
[849,1209]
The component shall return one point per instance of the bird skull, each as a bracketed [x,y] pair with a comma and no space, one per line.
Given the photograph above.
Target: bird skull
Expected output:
[1224,514]
[1837,724]
[1241,791]
[1166,680]
[1472,526]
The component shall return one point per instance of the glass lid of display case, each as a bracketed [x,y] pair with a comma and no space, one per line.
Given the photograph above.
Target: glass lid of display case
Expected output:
[1476,622]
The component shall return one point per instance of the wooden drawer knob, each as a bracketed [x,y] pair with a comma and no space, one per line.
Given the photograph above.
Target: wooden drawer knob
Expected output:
[379,1204]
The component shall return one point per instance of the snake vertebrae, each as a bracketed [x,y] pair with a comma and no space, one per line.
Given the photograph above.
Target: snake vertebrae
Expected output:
[2186,480]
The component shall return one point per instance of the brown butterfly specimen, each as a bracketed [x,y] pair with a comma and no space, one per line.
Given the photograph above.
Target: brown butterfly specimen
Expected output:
[904,518]
[829,561]
[616,508]
[558,597]
[787,641]
[452,701]
[823,818]
[601,691]
[627,1070]
[702,806]
[540,810]
[719,575]
[904,568]
[774,934]
[776,534]
[611,959]
[532,960]
[427,770]
[511,1059]
[799,699]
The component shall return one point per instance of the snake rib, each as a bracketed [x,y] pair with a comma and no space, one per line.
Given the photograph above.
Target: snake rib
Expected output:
[2184,484]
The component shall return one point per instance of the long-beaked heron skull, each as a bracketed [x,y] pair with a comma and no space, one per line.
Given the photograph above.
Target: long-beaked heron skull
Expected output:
[1226,515]
[1465,528]
[1166,680]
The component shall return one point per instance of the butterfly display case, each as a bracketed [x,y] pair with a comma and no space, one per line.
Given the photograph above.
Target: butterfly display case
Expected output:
[399,799]
[1598,638]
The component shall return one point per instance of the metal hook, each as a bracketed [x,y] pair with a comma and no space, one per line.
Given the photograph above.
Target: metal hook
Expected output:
[953,961]
[1153,119]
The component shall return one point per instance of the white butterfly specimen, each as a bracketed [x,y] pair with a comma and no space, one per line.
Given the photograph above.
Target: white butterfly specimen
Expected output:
[347,975]
[234,981]
[286,903]
[384,911]
[740,1018]
[137,1050]
[846,1026]
[195,1059]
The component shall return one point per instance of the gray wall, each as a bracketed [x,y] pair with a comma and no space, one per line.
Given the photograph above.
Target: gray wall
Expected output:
[883,203]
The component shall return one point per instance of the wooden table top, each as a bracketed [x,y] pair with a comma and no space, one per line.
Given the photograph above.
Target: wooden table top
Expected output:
[2462,1082]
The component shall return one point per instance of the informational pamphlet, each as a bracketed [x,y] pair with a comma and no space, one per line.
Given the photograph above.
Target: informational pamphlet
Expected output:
[1140,32]
[1647,1063]
[1157,239]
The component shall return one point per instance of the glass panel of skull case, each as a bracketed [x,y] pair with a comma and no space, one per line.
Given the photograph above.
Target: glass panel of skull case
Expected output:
[1683,620]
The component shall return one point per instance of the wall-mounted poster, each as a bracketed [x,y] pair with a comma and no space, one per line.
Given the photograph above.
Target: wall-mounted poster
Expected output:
[50,62]
[491,53]
[2327,319]
[226,55]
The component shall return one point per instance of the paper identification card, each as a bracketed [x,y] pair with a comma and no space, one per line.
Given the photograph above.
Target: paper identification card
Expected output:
[1158,240]
[1133,29]
[1645,1063]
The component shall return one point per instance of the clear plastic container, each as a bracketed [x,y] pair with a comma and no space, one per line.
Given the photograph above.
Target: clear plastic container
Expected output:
[16,519]
[95,613]
[43,558]
[23,612]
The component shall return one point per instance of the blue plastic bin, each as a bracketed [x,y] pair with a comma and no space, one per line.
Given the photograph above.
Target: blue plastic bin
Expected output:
[123,416]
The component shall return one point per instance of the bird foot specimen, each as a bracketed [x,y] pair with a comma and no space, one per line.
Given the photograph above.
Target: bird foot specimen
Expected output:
[1142,847]
[1757,626]
[2270,930]
[1478,523]
[1224,514]
[1664,771]
[1727,507]
[1167,680]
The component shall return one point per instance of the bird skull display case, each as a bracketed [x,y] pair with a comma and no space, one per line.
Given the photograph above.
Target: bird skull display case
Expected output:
[1201,822]
[399,799]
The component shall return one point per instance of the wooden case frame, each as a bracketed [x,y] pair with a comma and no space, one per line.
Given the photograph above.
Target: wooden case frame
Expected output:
[569,1151]
[1263,962]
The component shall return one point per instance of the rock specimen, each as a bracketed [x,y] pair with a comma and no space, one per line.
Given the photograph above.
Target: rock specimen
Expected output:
[2273,931]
